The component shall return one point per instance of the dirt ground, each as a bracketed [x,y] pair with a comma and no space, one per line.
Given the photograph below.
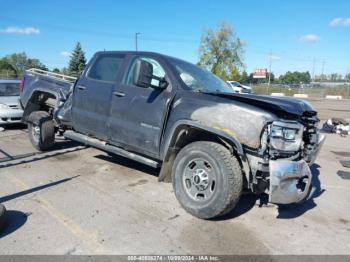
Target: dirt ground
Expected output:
[78,200]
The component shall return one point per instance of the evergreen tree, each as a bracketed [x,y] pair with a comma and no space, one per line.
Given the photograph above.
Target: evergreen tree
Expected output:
[77,62]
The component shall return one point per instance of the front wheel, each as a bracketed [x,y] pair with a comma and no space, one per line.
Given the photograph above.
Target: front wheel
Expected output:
[207,179]
[41,130]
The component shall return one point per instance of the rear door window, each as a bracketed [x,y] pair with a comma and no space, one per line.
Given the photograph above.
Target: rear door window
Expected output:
[106,68]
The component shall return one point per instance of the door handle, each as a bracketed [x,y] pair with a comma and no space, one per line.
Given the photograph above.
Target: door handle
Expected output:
[81,87]
[120,94]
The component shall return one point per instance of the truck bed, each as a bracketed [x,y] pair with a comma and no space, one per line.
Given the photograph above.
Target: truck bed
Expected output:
[35,79]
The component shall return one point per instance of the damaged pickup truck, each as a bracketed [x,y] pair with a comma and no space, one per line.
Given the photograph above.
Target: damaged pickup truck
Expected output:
[164,112]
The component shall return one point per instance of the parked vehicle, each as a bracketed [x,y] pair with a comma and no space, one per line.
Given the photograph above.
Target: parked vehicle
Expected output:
[237,87]
[10,110]
[210,142]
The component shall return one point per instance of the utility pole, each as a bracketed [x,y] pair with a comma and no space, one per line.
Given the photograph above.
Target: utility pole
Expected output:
[313,69]
[347,78]
[270,62]
[323,62]
[136,36]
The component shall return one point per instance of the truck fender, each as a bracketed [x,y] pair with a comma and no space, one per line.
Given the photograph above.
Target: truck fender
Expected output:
[169,152]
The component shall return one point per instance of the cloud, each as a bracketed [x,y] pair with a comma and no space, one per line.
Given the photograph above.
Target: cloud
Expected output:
[66,54]
[19,30]
[336,21]
[339,21]
[309,38]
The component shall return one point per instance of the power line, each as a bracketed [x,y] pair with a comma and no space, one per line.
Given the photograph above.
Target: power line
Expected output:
[102,33]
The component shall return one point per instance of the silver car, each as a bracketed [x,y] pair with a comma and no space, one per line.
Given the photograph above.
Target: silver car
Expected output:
[10,110]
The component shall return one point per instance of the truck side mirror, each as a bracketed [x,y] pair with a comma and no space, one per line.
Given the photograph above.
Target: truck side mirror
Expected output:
[143,73]
[143,76]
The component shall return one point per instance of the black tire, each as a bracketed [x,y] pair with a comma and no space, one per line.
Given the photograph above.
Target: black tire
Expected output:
[207,179]
[2,216]
[41,130]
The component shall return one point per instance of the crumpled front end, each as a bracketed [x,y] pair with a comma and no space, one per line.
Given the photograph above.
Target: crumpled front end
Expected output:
[281,166]
[290,181]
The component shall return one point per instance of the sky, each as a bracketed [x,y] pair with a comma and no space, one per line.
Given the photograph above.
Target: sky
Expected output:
[295,35]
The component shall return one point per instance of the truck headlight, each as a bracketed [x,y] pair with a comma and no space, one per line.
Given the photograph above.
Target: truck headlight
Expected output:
[286,136]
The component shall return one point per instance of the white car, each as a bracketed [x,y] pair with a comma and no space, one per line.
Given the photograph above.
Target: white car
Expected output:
[10,110]
[237,87]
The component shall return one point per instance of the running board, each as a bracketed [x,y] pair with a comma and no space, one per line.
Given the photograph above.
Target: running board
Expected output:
[94,142]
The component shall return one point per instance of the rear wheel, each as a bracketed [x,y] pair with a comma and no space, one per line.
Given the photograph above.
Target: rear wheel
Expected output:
[207,179]
[41,130]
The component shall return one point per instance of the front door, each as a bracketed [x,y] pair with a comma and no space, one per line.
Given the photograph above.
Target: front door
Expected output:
[137,114]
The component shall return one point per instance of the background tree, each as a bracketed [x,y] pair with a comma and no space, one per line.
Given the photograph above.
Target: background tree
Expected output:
[77,62]
[347,77]
[20,62]
[221,52]
[65,71]
[295,77]
[244,78]
[6,69]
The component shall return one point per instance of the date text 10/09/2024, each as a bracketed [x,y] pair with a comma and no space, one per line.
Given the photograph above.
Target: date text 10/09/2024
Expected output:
[173,258]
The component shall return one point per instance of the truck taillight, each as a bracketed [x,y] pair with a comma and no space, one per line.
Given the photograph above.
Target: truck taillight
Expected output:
[21,85]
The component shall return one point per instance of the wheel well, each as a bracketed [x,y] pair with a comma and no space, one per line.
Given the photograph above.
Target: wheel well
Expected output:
[40,101]
[185,135]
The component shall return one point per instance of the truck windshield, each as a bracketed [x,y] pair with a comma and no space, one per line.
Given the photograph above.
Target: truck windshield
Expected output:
[198,79]
[9,89]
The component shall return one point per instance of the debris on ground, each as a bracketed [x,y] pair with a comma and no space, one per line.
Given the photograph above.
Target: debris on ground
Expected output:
[345,163]
[337,125]
[343,174]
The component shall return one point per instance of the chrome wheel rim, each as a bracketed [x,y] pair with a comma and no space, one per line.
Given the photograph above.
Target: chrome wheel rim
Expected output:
[36,132]
[199,179]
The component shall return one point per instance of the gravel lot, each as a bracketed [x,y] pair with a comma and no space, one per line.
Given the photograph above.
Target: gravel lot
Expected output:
[77,200]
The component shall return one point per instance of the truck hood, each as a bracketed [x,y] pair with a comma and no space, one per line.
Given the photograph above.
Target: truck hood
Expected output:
[285,107]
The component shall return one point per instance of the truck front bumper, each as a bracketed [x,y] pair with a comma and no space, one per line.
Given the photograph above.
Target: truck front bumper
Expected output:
[290,181]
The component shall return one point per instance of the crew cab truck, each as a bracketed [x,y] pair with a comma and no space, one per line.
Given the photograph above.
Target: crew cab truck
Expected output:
[164,112]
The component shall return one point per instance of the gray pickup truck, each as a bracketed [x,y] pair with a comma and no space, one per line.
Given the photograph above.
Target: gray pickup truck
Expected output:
[164,112]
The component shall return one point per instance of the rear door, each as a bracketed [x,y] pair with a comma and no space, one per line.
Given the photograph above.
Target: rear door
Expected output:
[93,93]
[137,114]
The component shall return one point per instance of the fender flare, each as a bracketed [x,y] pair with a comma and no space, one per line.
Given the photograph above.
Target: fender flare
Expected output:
[168,156]
[179,124]
[29,106]
[43,90]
